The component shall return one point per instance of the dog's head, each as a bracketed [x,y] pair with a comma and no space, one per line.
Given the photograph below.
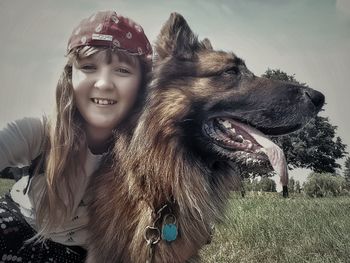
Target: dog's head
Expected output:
[213,102]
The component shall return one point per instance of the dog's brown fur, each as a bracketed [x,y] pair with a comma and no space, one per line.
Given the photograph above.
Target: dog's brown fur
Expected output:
[166,158]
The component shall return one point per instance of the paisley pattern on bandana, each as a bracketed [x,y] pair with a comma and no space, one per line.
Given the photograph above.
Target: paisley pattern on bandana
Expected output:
[121,32]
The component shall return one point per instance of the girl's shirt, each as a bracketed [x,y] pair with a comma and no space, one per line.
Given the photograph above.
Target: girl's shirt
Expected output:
[20,143]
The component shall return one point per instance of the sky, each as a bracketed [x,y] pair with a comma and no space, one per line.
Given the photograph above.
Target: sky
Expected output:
[310,39]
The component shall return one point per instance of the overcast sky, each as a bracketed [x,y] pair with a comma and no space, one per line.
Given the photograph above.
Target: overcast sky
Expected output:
[310,39]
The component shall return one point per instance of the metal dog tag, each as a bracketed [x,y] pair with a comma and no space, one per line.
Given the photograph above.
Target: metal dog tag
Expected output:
[169,229]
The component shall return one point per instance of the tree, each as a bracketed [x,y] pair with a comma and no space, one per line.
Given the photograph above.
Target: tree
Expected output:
[278,74]
[347,170]
[291,185]
[297,187]
[347,173]
[315,146]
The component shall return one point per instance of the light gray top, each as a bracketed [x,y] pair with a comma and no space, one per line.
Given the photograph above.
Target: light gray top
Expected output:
[21,142]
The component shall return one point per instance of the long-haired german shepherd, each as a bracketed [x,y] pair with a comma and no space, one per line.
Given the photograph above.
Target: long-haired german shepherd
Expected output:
[206,117]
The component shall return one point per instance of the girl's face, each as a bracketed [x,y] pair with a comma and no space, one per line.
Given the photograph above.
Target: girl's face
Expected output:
[105,88]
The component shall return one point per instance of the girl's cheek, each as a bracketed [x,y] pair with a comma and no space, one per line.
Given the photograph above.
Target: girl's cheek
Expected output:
[77,77]
[135,91]
[129,87]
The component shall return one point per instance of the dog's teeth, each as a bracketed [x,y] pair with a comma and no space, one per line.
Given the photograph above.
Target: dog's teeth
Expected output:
[261,150]
[248,143]
[226,123]
[239,138]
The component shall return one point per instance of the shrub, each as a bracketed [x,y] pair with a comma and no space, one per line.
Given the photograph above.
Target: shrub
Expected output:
[265,184]
[324,185]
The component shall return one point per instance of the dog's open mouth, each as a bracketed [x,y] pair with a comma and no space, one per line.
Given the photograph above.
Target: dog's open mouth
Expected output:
[244,144]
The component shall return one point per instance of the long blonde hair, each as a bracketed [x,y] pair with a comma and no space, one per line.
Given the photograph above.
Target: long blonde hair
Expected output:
[63,154]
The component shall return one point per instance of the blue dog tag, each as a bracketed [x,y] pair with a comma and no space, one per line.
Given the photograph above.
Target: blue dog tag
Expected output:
[169,230]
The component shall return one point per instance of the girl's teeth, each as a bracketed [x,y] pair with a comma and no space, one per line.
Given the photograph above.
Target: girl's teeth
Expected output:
[103,101]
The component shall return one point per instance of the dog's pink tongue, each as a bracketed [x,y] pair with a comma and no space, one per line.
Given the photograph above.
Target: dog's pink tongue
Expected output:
[275,154]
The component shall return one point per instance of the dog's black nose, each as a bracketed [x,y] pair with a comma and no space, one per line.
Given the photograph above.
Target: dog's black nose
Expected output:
[316,97]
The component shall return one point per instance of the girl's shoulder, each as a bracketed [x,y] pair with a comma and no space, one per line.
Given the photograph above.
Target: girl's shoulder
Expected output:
[21,141]
[26,124]
[28,130]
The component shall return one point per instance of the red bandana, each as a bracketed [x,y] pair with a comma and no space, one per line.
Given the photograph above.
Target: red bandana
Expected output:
[109,29]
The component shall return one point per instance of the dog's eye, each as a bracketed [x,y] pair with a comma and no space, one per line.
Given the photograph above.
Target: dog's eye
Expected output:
[232,71]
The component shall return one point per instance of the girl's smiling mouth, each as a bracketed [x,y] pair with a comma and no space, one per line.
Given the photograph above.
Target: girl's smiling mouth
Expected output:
[103,101]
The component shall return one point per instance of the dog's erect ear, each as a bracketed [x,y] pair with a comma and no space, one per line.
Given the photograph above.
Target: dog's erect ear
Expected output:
[176,39]
[206,43]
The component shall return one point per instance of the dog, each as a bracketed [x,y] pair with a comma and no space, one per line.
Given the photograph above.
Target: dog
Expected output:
[206,117]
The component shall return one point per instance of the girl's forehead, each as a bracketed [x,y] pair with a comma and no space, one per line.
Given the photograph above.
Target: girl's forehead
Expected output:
[100,56]
[108,56]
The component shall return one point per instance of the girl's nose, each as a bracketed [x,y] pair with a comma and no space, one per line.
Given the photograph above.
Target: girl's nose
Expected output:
[104,81]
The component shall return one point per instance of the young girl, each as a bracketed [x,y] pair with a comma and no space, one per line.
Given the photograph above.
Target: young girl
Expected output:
[109,57]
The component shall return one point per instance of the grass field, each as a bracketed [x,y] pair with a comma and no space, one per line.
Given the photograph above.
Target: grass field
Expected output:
[270,229]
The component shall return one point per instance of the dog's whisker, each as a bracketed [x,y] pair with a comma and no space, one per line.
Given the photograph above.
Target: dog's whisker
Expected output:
[250,111]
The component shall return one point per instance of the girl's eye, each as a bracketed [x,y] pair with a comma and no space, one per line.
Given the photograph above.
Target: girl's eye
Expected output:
[123,70]
[88,68]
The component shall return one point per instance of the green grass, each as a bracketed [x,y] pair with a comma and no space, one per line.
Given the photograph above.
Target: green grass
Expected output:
[272,229]
[5,185]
